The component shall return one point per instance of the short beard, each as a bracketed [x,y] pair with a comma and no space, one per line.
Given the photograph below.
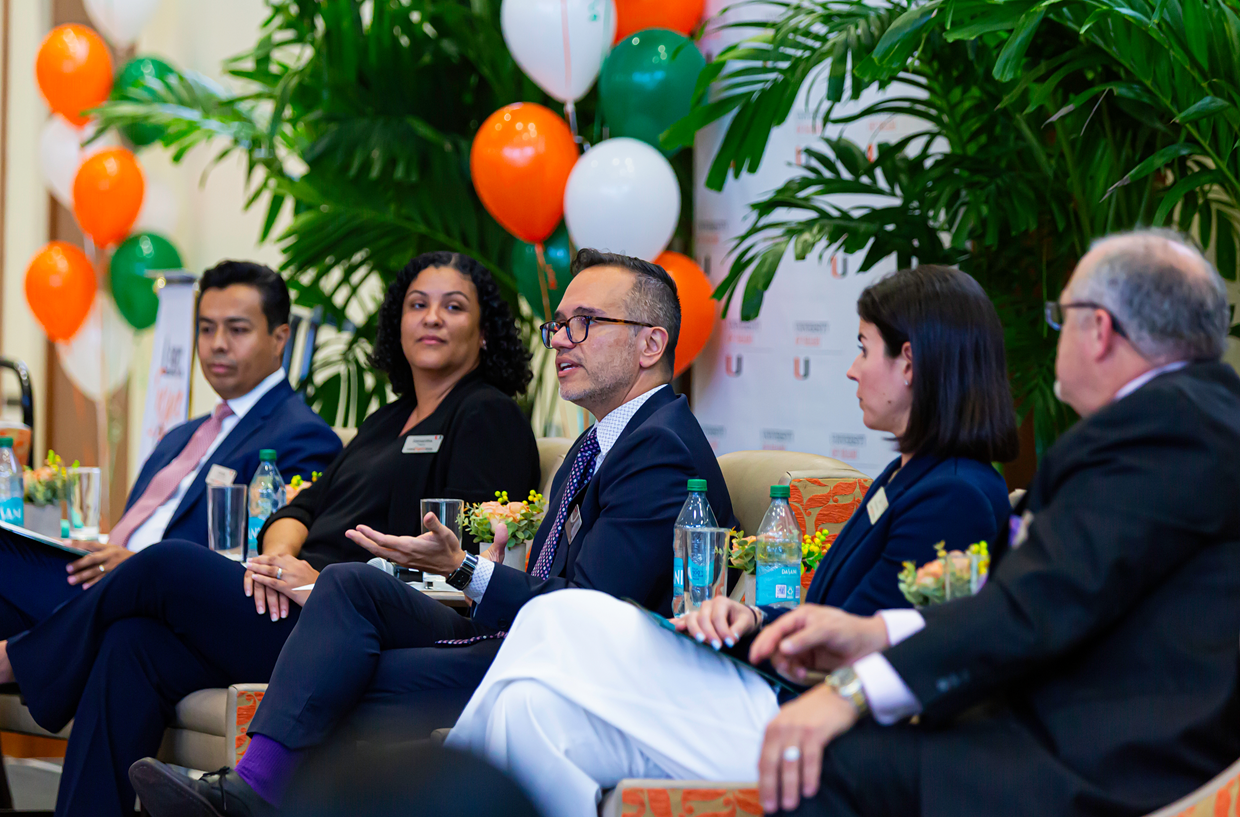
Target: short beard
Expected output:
[612,380]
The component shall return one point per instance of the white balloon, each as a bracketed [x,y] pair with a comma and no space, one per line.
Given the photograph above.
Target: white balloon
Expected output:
[105,342]
[121,21]
[160,210]
[61,152]
[534,31]
[622,196]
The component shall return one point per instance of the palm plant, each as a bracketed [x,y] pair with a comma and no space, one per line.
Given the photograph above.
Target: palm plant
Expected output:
[1004,179]
[358,116]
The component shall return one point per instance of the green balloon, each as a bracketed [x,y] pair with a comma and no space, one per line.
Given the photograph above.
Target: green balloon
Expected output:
[133,292]
[130,85]
[530,275]
[647,84]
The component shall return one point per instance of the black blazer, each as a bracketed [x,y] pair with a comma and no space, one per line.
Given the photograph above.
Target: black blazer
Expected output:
[1111,633]
[628,509]
[955,500]
[280,420]
[487,446]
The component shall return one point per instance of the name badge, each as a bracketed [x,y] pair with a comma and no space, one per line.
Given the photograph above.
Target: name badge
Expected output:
[219,475]
[1021,526]
[574,522]
[422,444]
[877,505]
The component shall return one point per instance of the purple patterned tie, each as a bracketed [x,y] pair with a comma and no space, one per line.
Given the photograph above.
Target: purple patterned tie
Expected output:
[583,469]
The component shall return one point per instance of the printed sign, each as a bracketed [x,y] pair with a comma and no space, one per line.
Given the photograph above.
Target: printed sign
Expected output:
[167,387]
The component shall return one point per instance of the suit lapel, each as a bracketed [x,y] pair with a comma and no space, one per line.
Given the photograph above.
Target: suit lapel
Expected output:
[250,423]
[176,439]
[558,487]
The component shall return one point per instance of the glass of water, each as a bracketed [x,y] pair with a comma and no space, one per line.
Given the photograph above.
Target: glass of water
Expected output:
[706,572]
[85,496]
[227,528]
[448,512]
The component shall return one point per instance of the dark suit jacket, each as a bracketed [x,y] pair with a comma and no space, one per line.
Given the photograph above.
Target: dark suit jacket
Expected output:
[279,420]
[628,509]
[956,500]
[1109,634]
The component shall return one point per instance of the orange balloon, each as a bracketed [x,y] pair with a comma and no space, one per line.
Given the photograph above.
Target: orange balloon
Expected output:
[60,288]
[520,161]
[74,70]
[107,195]
[633,16]
[697,308]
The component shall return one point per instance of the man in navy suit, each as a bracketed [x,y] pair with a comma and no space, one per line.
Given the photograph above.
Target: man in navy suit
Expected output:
[242,330]
[369,649]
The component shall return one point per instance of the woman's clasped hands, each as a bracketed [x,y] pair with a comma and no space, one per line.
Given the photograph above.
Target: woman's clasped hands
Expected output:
[273,580]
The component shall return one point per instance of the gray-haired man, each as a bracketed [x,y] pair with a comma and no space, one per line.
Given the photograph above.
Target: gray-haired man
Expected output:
[1098,670]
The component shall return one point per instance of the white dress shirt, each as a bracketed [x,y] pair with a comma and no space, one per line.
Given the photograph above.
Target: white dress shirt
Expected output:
[607,431]
[889,697]
[152,530]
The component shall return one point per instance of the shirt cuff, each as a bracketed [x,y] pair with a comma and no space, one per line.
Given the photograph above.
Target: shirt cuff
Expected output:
[889,697]
[482,577]
[901,624]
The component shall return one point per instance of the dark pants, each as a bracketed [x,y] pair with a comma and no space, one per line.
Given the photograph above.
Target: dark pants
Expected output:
[33,583]
[116,659]
[361,656]
[870,771]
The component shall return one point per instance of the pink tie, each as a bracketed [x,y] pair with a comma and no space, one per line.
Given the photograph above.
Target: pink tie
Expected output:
[164,484]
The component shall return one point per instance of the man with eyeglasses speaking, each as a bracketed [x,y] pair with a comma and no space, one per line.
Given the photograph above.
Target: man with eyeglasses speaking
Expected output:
[368,651]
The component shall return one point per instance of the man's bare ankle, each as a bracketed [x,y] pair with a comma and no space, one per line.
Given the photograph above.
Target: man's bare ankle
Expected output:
[6,669]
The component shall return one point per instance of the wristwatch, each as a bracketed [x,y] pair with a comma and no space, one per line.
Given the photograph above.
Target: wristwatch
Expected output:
[848,686]
[461,577]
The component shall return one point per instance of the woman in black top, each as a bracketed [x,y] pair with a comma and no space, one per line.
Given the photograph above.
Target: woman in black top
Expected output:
[173,619]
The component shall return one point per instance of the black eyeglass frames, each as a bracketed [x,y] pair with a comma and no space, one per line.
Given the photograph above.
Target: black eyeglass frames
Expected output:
[1055,310]
[578,327]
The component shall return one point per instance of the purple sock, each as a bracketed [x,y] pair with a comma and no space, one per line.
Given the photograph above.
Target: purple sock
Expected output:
[267,766]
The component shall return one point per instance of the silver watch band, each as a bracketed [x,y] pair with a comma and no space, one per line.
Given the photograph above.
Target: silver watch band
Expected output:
[460,577]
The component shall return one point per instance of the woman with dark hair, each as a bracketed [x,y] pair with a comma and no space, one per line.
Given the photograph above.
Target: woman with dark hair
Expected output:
[586,691]
[176,617]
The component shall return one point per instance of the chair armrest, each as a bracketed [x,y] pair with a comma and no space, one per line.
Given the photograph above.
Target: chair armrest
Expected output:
[659,797]
[243,701]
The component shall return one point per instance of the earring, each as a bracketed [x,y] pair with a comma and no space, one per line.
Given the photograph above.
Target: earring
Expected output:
[906,382]
[484,345]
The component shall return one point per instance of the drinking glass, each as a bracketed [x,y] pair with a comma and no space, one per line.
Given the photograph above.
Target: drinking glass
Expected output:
[706,572]
[85,490]
[227,528]
[448,512]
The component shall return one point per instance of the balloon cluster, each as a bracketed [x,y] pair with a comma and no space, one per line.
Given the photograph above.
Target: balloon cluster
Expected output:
[621,195]
[103,184]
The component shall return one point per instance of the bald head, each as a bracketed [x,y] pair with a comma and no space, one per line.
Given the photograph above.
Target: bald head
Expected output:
[1169,300]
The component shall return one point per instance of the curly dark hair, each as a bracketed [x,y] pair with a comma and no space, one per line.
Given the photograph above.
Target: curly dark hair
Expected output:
[504,363]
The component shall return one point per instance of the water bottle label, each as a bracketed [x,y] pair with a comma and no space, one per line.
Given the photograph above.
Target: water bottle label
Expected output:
[256,524]
[699,574]
[12,510]
[779,584]
[678,577]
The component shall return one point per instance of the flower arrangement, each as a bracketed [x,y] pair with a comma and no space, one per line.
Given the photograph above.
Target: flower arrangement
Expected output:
[952,575]
[298,484]
[49,483]
[521,518]
[743,556]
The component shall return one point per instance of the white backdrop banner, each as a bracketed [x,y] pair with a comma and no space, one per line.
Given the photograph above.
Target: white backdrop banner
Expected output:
[167,387]
[778,382]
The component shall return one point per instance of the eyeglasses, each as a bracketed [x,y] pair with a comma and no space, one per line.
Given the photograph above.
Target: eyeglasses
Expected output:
[1055,310]
[578,327]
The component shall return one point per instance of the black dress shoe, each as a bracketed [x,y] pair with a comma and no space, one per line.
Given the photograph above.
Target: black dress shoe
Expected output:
[165,792]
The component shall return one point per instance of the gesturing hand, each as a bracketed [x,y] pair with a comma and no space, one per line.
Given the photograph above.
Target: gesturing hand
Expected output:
[791,761]
[817,638]
[91,568]
[719,621]
[272,578]
[495,553]
[436,551]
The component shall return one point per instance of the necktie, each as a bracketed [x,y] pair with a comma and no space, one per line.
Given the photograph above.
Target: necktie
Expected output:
[164,483]
[582,470]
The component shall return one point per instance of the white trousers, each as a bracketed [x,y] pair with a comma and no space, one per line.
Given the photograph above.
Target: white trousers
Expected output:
[587,692]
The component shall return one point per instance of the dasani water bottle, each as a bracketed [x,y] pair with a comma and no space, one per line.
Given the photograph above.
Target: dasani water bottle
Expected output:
[695,513]
[777,553]
[266,496]
[12,486]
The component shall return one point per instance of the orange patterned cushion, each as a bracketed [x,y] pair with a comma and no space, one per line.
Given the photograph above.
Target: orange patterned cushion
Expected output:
[673,802]
[826,504]
[247,703]
[1223,803]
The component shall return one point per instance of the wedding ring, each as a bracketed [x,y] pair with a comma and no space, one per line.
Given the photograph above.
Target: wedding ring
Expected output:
[101,568]
[279,573]
[792,754]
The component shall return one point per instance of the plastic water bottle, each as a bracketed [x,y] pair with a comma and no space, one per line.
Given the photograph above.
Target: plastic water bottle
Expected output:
[266,496]
[12,486]
[695,513]
[777,553]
